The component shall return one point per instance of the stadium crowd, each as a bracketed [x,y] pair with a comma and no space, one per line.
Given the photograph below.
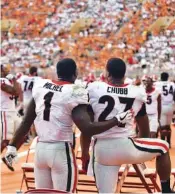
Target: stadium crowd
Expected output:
[118,29]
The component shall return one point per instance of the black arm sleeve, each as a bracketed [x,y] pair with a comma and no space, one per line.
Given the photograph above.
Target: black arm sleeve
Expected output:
[142,111]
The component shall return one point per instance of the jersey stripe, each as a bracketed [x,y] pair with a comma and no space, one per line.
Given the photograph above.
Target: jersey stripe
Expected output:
[5,127]
[142,147]
[93,163]
[2,137]
[115,85]
[153,143]
[61,82]
[75,171]
[69,178]
[152,90]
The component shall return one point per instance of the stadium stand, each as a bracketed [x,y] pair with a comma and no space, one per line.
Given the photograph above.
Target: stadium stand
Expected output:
[117,29]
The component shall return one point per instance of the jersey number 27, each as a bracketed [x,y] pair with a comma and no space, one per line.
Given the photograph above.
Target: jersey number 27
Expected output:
[111,103]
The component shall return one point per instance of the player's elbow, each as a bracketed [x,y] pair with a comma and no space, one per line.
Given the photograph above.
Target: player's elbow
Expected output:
[15,93]
[87,129]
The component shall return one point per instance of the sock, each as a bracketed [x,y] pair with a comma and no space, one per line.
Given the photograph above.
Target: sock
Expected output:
[169,139]
[166,186]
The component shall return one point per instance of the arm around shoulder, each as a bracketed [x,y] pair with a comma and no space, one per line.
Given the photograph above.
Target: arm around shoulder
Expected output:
[82,117]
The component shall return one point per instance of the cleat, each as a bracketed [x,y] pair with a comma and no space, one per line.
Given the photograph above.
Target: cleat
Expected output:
[8,163]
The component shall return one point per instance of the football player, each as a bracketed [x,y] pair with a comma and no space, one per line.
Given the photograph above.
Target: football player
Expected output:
[27,82]
[117,145]
[167,89]
[52,107]
[153,106]
[7,106]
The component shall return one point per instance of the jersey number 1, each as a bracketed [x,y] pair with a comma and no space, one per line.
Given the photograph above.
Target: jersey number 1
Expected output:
[47,99]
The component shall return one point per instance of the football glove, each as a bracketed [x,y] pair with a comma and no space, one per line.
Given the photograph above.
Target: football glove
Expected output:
[125,117]
[20,112]
[10,77]
[10,157]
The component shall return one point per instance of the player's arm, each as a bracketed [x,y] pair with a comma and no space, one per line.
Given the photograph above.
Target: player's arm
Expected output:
[20,93]
[25,125]
[20,107]
[85,144]
[142,122]
[174,93]
[159,106]
[14,90]
[82,118]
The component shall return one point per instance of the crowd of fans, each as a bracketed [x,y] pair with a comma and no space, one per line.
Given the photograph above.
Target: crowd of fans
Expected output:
[158,52]
[31,15]
[119,28]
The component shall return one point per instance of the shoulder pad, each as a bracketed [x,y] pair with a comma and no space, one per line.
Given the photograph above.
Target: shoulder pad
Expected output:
[78,90]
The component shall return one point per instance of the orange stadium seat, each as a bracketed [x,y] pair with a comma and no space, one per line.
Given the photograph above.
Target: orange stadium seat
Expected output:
[173,173]
[28,175]
[28,168]
[146,175]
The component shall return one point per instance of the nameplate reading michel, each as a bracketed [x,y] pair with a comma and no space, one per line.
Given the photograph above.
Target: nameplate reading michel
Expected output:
[117,90]
[53,87]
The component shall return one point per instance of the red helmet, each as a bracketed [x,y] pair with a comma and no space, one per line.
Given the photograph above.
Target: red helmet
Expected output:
[154,78]
[144,77]
[18,75]
[91,77]
[102,77]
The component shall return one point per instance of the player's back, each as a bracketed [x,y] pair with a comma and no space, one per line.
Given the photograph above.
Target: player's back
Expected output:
[7,100]
[108,100]
[27,83]
[54,104]
[167,90]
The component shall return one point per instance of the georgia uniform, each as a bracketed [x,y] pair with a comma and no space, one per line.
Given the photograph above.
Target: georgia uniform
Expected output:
[55,165]
[167,95]
[27,83]
[152,109]
[117,146]
[8,113]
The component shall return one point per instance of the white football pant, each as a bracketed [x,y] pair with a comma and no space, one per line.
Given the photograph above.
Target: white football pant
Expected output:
[55,166]
[110,154]
[9,123]
[166,114]
[153,122]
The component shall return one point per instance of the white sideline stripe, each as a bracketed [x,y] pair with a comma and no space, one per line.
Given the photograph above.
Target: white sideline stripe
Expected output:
[21,154]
